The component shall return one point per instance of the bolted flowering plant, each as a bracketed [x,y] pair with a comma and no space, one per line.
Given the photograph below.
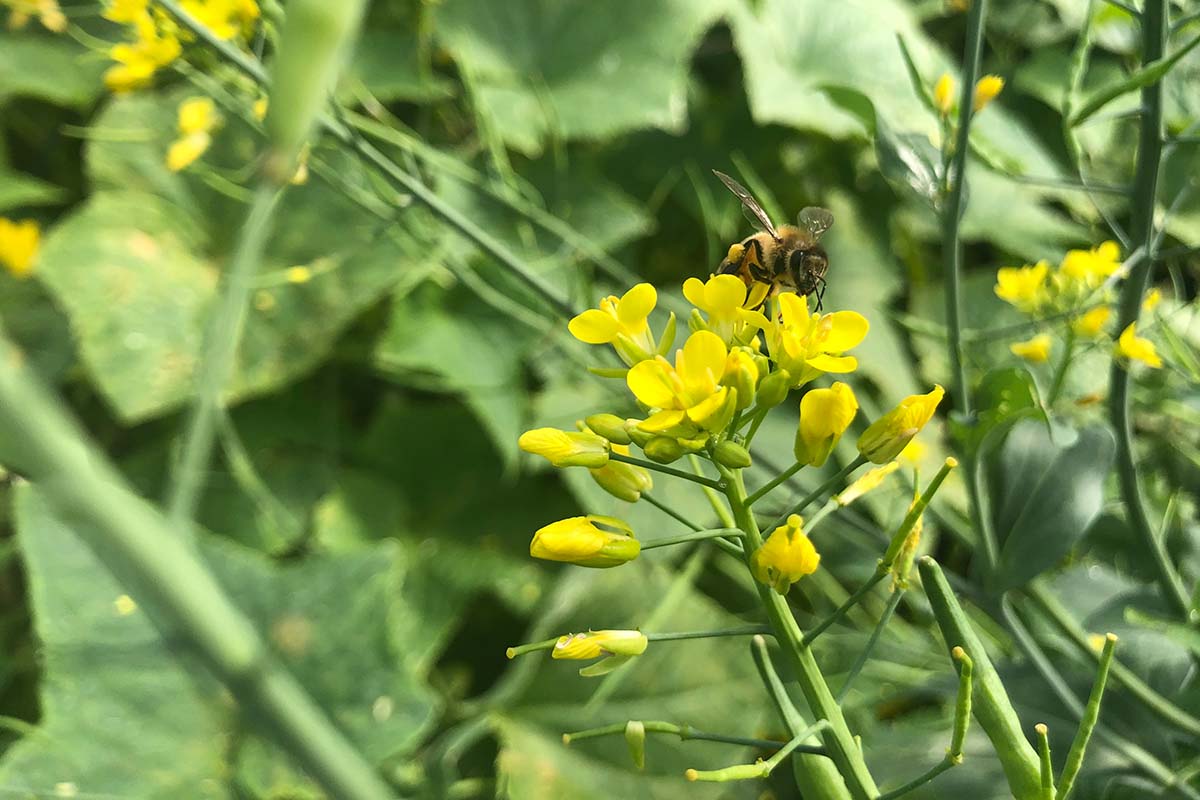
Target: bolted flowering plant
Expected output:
[745,355]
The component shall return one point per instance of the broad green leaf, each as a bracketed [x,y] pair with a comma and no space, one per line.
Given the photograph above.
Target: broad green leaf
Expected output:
[909,162]
[549,69]
[31,321]
[387,63]
[47,67]
[1047,489]
[18,189]
[126,712]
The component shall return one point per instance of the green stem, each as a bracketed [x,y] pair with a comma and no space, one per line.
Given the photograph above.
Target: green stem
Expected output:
[216,366]
[1091,714]
[531,647]
[1047,766]
[839,742]
[744,630]
[783,476]
[760,769]
[685,733]
[918,782]
[670,512]
[1060,371]
[694,536]
[860,662]
[138,546]
[822,490]
[1145,183]
[665,470]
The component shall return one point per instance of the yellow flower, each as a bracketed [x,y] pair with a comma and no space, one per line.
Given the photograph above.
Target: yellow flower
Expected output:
[943,94]
[621,480]
[197,117]
[986,89]
[1135,348]
[824,416]
[785,557]
[259,109]
[615,647]
[47,12]
[566,448]
[807,345]
[889,434]
[1035,350]
[183,152]
[1091,323]
[137,62]
[727,302]
[1023,287]
[298,274]
[225,18]
[621,323]
[913,453]
[690,391]
[1092,266]
[1152,299]
[126,12]
[870,480]
[591,541]
[19,242]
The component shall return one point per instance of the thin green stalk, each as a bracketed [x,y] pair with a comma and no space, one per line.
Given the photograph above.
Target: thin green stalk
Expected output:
[138,546]
[919,781]
[822,490]
[216,365]
[1164,709]
[759,769]
[1047,766]
[744,630]
[694,536]
[839,742]
[670,512]
[685,733]
[1091,714]
[1145,182]
[860,662]
[780,478]
[811,635]
[665,470]
[1060,371]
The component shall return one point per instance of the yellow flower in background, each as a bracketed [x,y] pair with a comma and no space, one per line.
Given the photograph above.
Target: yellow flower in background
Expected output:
[1091,267]
[566,448]
[1135,348]
[986,89]
[19,243]
[259,109]
[614,647]
[807,345]
[592,541]
[1023,287]
[1092,323]
[824,416]
[690,391]
[727,302]
[887,436]
[1035,350]
[137,62]
[126,12]
[225,18]
[943,94]
[785,557]
[872,479]
[1152,299]
[913,453]
[47,11]
[623,323]
[197,117]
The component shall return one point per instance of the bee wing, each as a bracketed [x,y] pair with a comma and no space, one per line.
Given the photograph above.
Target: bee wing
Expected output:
[815,220]
[754,212]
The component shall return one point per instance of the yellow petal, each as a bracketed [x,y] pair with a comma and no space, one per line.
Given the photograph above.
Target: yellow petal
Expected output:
[725,293]
[835,364]
[650,383]
[758,293]
[702,362]
[709,407]
[183,152]
[794,310]
[847,330]
[693,290]
[594,327]
[636,304]
[662,421]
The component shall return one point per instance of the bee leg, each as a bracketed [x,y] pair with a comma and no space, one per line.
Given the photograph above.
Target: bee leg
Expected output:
[821,292]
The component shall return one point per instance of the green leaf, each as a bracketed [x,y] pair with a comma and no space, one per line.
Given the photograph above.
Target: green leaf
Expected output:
[50,68]
[1048,488]
[552,69]
[127,712]
[18,189]
[1184,635]
[909,162]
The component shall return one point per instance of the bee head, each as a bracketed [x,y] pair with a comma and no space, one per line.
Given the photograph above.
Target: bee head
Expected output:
[807,262]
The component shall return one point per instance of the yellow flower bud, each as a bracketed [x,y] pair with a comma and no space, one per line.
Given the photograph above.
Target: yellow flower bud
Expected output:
[566,448]
[943,94]
[1135,348]
[986,89]
[773,389]
[610,426]
[591,541]
[888,435]
[732,455]
[623,481]
[785,557]
[1035,350]
[742,374]
[866,483]
[1092,323]
[824,416]
[613,647]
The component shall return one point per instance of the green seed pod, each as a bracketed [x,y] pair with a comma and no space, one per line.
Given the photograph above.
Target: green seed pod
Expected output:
[731,454]
[610,426]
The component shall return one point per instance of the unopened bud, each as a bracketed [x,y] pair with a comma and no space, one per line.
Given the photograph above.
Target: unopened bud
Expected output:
[663,449]
[731,454]
[610,426]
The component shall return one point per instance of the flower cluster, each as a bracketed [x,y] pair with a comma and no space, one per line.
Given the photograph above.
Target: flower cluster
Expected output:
[156,41]
[1079,288]
[48,13]
[197,117]
[986,90]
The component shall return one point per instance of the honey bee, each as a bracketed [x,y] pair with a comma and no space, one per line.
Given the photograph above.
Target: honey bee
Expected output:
[788,257]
